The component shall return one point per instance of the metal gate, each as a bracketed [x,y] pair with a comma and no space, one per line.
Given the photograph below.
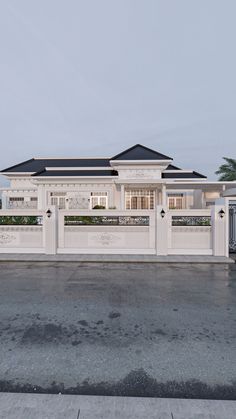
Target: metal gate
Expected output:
[232,226]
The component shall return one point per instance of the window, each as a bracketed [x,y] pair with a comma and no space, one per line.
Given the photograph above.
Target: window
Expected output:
[139,199]
[175,201]
[98,199]
[210,203]
[34,199]
[16,199]
[58,199]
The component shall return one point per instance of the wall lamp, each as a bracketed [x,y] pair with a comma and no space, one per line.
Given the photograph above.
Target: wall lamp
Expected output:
[163,213]
[221,213]
[49,213]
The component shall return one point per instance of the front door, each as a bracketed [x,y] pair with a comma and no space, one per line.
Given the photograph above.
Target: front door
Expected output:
[232,226]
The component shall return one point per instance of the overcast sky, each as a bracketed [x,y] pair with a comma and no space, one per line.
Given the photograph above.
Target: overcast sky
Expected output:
[93,77]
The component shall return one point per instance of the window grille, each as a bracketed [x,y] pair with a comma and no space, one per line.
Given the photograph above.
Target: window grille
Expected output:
[175,201]
[139,199]
[98,199]
[16,199]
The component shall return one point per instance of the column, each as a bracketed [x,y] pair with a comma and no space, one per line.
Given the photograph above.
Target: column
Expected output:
[41,197]
[4,200]
[122,197]
[164,196]
[50,230]
[162,226]
[197,199]
[219,221]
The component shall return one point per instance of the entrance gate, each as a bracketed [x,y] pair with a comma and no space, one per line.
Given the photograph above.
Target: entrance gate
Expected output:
[232,226]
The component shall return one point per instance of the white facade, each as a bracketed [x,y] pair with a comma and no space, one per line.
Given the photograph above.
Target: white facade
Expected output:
[165,210]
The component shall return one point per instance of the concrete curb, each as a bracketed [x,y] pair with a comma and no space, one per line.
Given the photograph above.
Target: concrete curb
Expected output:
[38,406]
[39,258]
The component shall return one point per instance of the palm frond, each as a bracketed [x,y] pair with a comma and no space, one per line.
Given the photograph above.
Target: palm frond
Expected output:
[227,171]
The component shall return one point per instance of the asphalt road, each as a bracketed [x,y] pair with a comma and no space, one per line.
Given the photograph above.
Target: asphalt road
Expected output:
[118,329]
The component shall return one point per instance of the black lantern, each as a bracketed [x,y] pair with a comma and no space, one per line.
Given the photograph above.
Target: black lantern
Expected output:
[49,213]
[221,213]
[163,213]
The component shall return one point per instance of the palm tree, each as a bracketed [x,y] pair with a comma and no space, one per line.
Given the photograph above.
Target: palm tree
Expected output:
[227,171]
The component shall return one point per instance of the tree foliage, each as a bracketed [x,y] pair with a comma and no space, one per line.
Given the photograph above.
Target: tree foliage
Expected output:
[227,171]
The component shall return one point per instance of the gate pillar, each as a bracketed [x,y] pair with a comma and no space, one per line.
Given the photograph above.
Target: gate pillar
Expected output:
[50,230]
[219,218]
[162,226]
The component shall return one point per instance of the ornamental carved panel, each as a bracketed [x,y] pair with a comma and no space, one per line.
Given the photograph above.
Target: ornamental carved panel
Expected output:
[105,239]
[139,174]
[6,238]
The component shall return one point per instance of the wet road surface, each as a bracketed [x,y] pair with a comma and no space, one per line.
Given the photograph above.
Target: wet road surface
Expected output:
[118,329]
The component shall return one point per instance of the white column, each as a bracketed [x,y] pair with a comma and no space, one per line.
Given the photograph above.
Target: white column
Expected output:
[162,226]
[4,200]
[50,228]
[41,197]
[220,239]
[164,196]
[157,197]
[122,197]
[197,199]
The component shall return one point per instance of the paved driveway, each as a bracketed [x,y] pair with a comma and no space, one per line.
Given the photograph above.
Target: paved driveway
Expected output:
[124,329]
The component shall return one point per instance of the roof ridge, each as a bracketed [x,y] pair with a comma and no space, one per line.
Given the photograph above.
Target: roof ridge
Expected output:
[145,148]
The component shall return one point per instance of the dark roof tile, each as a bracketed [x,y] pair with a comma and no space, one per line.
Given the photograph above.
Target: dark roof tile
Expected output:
[35,165]
[74,173]
[140,152]
[182,175]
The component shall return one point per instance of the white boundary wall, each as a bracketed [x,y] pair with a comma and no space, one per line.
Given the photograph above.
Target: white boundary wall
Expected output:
[22,238]
[160,237]
[107,239]
[190,240]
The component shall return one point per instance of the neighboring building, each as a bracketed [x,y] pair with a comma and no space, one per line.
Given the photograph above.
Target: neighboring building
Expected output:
[136,179]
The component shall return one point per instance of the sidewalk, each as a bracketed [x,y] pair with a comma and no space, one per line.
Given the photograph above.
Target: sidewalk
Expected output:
[29,257]
[39,406]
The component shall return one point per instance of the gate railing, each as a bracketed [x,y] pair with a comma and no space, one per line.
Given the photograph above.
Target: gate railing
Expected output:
[232,227]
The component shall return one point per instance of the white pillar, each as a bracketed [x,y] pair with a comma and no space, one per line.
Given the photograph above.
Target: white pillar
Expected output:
[122,197]
[197,199]
[41,197]
[220,240]
[157,200]
[164,196]
[50,230]
[162,225]
[4,200]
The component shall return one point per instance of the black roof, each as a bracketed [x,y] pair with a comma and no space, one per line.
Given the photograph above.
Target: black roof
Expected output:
[172,167]
[182,175]
[140,152]
[75,173]
[36,165]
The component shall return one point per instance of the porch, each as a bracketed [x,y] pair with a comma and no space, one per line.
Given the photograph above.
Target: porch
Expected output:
[120,195]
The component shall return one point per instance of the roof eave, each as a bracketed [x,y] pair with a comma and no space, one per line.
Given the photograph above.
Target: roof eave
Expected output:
[160,162]
[73,177]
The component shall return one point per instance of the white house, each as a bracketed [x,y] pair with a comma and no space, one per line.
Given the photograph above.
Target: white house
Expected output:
[134,202]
